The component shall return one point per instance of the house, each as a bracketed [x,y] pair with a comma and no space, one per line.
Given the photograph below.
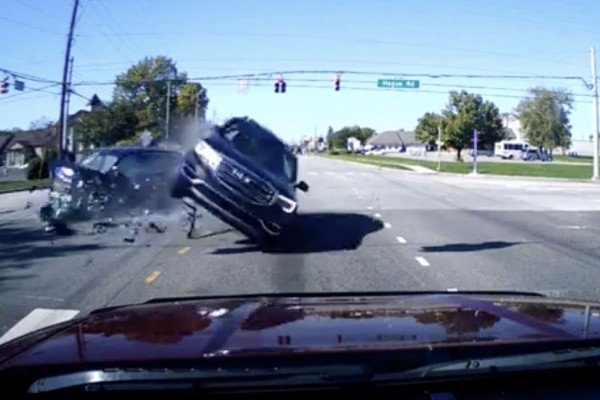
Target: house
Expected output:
[17,148]
[399,138]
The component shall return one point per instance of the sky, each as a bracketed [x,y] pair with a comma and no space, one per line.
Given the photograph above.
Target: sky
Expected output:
[408,39]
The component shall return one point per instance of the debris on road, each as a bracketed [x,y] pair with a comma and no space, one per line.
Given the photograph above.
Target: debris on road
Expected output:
[28,205]
[158,227]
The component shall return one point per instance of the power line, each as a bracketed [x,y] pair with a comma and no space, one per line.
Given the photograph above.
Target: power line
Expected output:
[29,98]
[37,28]
[268,75]
[122,34]
[381,90]
[39,10]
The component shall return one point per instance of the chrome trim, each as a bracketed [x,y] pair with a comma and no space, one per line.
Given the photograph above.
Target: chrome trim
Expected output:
[288,206]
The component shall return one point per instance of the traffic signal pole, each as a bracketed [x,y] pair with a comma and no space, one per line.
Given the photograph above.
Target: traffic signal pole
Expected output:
[594,112]
[62,119]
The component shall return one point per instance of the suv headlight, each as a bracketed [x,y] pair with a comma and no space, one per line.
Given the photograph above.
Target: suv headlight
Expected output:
[208,155]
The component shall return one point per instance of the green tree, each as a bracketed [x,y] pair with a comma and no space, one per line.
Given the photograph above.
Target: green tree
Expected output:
[338,139]
[329,137]
[190,97]
[427,128]
[466,112]
[544,117]
[116,122]
[144,86]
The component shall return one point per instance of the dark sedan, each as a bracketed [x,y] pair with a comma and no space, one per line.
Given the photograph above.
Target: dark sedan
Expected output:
[108,182]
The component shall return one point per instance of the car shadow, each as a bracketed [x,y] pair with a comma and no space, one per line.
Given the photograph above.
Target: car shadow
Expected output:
[467,247]
[315,233]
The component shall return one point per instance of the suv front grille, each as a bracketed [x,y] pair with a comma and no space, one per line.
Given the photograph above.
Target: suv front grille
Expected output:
[245,184]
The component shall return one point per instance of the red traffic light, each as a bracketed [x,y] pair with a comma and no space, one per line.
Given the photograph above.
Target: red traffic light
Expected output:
[280,85]
[336,82]
[4,85]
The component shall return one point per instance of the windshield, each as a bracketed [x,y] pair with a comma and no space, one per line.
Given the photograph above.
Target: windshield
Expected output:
[262,148]
[265,150]
[100,162]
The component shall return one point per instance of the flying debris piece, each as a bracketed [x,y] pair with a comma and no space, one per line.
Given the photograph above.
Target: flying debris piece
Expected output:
[159,227]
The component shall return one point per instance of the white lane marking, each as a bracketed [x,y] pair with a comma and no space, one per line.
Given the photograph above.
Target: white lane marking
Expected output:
[311,173]
[369,207]
[401,240]
[37,319]
[387,225]
[422,261]
[452,289]
[571,227]
[377,215]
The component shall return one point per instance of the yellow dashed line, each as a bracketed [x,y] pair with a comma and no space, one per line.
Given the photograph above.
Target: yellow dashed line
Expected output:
[152,277]
[183,250]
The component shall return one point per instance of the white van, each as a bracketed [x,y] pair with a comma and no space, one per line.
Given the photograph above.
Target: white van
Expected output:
[511,149]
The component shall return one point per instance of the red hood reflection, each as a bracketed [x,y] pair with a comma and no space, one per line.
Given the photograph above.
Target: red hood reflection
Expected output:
[242,326]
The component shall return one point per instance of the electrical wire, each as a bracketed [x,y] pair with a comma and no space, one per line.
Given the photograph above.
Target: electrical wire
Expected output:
[37,28]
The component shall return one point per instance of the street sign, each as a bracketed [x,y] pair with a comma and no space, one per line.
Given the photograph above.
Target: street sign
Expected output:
[397,83]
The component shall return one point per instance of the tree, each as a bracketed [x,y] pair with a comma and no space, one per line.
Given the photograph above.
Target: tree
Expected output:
[427,128]
[41,123]
[144,86]
[116,122]
[329,137]
[467,112]
[338,139]
[190,97]
[544,117]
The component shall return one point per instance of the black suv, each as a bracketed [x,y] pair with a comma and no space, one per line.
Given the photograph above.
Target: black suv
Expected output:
[108,182]
[245,175]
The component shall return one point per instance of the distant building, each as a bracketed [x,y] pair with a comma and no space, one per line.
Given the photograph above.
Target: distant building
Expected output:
[512,124]
[399,138]
[17,148]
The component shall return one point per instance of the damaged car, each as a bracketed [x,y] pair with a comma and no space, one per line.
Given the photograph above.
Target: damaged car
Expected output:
[245,175]
[110,182]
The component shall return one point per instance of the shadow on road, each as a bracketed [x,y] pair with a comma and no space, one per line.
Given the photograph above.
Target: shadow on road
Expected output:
[317,232]
[25,247]
[466,247]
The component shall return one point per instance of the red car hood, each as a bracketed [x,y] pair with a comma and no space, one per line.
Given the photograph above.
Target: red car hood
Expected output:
[192,329]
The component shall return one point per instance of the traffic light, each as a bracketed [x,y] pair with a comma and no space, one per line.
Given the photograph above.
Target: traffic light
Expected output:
[4,85]
[280,85]
[336,82]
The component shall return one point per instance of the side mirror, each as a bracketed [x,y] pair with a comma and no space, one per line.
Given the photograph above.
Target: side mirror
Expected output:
[302,186]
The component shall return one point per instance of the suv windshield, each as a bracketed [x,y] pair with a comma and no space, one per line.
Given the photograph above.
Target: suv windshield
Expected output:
[266,150]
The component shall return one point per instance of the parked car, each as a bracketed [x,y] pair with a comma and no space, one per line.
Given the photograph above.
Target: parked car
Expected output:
[535,154]
[246,176]
[108,182]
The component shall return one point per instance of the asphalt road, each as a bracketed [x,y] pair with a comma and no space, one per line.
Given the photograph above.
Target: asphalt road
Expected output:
[361,228]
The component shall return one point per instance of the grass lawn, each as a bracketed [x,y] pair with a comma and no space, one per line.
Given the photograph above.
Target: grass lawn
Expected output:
[495,168]
[24,185]
[579,159]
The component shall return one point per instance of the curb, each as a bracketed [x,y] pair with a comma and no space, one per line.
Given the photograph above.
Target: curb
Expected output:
[8,191]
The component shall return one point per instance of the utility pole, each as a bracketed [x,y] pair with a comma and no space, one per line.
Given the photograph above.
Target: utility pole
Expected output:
[168,107]
[475,137]
[439,148]
[594,111]
[62,121]
[65,126]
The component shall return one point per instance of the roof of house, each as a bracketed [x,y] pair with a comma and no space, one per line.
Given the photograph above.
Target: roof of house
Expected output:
[29,139]
[393,138]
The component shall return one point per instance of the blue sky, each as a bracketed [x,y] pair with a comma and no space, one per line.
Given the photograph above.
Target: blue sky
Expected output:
[222,37]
